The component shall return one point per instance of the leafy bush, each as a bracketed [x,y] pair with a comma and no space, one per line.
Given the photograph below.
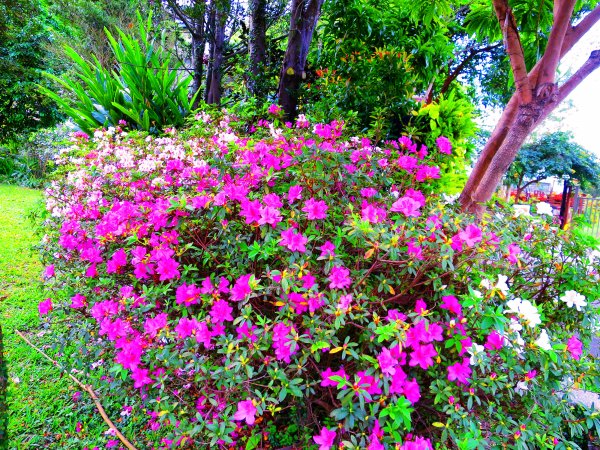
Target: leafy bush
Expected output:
[295,286]
[146,90]
[27,161]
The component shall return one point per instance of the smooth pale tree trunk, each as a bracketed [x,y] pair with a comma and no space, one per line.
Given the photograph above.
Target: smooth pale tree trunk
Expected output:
[257,45]
[304,17]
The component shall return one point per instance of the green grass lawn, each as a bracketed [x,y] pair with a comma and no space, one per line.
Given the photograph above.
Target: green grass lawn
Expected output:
[42,413]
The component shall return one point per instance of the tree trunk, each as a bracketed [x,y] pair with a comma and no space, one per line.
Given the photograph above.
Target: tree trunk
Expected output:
[304,17]
[214,90]
[257,45]
[211,47]
[198,44]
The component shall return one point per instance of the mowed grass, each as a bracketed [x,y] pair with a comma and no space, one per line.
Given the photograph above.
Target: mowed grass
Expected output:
[42,413]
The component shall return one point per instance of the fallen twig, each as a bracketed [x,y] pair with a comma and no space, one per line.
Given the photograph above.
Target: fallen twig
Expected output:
[86,388]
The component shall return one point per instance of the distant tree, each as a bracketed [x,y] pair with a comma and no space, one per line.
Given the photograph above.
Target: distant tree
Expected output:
[553,155]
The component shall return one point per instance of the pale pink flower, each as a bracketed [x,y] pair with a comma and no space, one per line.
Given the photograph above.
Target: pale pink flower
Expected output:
[246,411]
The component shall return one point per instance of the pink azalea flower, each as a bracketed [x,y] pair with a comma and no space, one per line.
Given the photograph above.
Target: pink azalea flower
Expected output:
[339,277]
[78,301]
[407,206]
[325,438]
[513,252]
[272,200]
[460,372]
[245,411]
[118,260]
[294,193]
[416,196]
[451,304]
[186,327]
[308,281]
[470,235]
[387,362]
[269,215]
[444,145]
[187,294]
[203,335]
[414,250]
[420,307]
[154,325]
[221,311]
[427,173]
[274,109]
[49,271]
[167,269]
[494,341]
[368,192]
[398,381]
[575,347]
[250,210]
[45,307]
[241,288]
[411,391]
[408,163]
[294,241]
[140,377]
[422,356]
[315,209]
[327,250]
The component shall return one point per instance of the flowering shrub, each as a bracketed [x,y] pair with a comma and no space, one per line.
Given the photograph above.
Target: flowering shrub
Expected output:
[294,286]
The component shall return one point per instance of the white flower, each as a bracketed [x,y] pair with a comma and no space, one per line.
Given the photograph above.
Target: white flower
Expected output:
[477,352]
[501,284]
[515,325]
[572,298]
[524,310]
[543,341]
[450,199]
[545,208]
[521,387]
[522,210]
[486,284]
[477,294]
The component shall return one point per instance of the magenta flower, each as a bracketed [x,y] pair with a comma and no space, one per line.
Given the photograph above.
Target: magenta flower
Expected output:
[575,347]
[450,303]
[250,210]
[420,307]
[444,145]
[274,109]
[245,411]
[411,391]
[154,325]
[186,327]
[427,173]
[140,377]
[513,253]
[45,307]
[460,372]
[422,356]
[241,288]
[387,362]
[167,269]
[294,241]
[325,438]
[49,271]
[78,301]
[339,277]
[328,373]
[187,294]
[407,206]
[294,193]
[470,235]
[494,341]
[269,215]
[118,260]
[315,209]
[327,250]
[221,311]
[408,163]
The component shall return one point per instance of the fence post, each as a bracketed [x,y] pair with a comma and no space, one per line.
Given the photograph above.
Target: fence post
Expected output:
[564,204]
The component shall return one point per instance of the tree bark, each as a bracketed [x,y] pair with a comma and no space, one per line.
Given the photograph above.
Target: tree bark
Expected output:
[304,17]
[214,90]
[528,118]
[257,45]
[572,35]
[211,22]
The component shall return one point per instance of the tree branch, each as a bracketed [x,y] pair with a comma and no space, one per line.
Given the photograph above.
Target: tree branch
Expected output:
[592,63]
[575,33]
[563,10]
[181,16]
[458,69]
[514,49]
